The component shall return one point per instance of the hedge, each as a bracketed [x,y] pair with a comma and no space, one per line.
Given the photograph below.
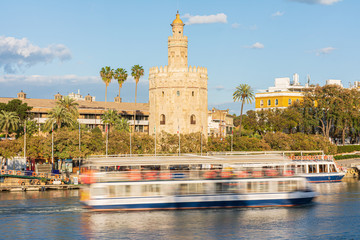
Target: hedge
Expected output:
[348,148]
[341,157]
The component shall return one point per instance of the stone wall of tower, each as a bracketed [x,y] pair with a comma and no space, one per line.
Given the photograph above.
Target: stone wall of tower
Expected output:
[178,93]
[178,96]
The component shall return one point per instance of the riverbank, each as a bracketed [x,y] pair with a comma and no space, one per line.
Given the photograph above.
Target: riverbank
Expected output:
[25,188]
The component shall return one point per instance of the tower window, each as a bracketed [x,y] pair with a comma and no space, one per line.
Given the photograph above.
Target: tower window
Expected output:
[193,119]
[163,94]
[162,119]
[178,93]
[192,93]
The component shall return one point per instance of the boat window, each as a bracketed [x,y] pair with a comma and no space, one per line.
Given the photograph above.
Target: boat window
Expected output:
[251,187]
[263,187]
[99,191]
[322,168]
[196,188]
[283,186]
[112,191]
[150,190]
[293,186]
[312,168]
[332,168]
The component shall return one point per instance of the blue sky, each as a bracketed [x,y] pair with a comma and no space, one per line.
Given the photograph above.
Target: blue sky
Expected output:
[60,46]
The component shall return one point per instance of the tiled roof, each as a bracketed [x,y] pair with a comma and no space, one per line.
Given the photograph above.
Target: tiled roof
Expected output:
[47,104]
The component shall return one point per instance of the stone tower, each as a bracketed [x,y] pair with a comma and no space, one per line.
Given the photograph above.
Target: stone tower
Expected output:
[178,92]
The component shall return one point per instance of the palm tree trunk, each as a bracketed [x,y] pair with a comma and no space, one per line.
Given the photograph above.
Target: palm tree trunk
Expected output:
[241,111]
[105,95]
[119,92]
[135,105]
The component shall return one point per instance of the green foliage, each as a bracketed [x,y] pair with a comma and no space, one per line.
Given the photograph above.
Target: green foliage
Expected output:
[9,121]
[9,148]
[16,105]
[348,148]
[350,156]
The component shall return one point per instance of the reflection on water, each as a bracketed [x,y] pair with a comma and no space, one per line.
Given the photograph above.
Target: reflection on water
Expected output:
[58,215]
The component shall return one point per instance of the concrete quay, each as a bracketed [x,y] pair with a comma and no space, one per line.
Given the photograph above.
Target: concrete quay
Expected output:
[24,188]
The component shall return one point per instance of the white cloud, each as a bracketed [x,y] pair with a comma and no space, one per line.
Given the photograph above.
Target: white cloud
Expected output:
[235,25]
[277,14]
[61,79]
[43,80]
[322,2]
[256,45]
[219,88]
[323,51]
[218,18]
[17,53]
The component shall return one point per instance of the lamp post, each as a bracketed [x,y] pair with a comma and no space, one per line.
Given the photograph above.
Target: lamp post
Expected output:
[107,140]
[52,143]
[25,141]
[155,139]
[179,139]
[79,148]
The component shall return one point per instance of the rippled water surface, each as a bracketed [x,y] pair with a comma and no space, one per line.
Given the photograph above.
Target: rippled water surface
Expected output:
[335,214]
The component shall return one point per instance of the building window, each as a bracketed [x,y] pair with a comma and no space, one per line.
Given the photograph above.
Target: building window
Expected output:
[289,101]
[269,102]
[276,102]
[163,94]
[193,119]
[193,94]
[297,100]
[162,119]
[178,93]
[261,103]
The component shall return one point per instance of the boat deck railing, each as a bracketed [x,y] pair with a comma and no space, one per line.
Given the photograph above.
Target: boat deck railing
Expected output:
[152,175]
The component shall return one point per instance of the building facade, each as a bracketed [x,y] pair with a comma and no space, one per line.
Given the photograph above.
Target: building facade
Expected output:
[282,95]
[178,92]
[90,111]
[220,123]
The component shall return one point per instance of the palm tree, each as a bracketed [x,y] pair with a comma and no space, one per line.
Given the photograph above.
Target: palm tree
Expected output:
[106,74]
[110,117]
[70,105]
[243,93]
[59,116]
[122,124]
[8,121]
[120,75]
[137,72]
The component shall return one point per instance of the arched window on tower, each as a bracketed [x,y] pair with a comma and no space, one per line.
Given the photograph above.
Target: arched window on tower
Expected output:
[193,119]
[162,119]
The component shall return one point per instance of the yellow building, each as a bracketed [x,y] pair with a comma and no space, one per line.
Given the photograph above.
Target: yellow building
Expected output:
[282,95]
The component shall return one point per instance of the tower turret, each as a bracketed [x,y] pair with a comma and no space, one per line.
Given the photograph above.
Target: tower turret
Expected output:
[177,45]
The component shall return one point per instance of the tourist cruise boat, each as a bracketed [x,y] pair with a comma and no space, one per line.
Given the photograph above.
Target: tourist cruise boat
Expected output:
[315,168]
[318,169]
[115,189]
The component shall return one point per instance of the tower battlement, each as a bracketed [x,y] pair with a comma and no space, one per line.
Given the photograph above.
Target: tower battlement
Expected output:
[167,69]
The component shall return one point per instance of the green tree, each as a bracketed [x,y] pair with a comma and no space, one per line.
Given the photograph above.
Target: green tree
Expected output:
[110,117]
[120,75]
[122,124]
[59,116]
[106,74]
[9,121]
[137,72]
[70,105]
[243,93]
[16,105]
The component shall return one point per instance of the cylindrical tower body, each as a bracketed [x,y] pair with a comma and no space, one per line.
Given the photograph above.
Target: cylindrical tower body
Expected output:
[178,93]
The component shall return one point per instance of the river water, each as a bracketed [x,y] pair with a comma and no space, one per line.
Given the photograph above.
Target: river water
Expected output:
[335,214]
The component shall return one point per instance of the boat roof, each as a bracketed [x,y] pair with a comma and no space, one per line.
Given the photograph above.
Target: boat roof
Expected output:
[190,159]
